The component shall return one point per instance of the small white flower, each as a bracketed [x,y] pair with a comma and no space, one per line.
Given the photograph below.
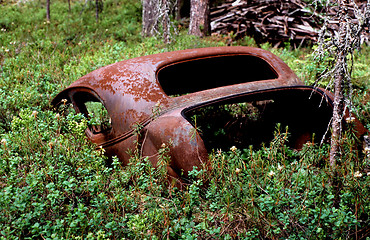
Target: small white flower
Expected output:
[3,141]
[294,163]
[237,170]
[163,145]
[368,173]
[34,113]
[357,174]
[271,173]
[233,149]
[279,167]
[367,149]
[219,152]
[102,150]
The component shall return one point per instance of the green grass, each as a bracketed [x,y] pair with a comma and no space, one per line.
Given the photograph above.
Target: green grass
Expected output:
[55,185]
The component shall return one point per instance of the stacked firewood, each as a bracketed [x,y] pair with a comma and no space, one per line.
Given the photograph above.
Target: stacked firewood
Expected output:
[275,21]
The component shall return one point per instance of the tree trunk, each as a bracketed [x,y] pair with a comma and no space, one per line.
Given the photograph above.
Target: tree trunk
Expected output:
[337,117]
[199,17]
[156,18]
[150,13]
[340,77]
[165,21]
[48,10]
[97,10]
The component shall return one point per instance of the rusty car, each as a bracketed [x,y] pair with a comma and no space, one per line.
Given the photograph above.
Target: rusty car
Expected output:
[197,100]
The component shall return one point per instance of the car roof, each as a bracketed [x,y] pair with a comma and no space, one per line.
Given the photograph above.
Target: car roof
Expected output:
[132,85]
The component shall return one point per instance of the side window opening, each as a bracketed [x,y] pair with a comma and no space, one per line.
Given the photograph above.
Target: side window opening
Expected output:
[252,119]
[94,110]
[99,120]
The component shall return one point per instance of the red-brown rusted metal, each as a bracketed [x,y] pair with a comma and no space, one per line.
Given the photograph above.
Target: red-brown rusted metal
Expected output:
[135,100]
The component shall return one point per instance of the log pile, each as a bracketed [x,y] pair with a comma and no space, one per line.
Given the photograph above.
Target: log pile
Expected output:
[275,21]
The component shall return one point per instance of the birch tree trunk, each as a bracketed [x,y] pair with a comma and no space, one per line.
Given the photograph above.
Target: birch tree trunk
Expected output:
[156,18]
[199,17]
[165,21]
[149,16]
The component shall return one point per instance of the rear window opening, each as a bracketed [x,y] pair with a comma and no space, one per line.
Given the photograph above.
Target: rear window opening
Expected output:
[252,119]
[213,72]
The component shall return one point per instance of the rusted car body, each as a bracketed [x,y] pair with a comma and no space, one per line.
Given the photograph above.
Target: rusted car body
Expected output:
[198,100]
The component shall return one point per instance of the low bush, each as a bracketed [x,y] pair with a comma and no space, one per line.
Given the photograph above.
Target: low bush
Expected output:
[58,186]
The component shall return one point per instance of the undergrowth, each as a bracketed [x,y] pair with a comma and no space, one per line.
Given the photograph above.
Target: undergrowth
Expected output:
[54,184]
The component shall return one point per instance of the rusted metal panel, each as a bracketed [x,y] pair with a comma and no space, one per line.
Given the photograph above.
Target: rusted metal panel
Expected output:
[131,86]
[134,98]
